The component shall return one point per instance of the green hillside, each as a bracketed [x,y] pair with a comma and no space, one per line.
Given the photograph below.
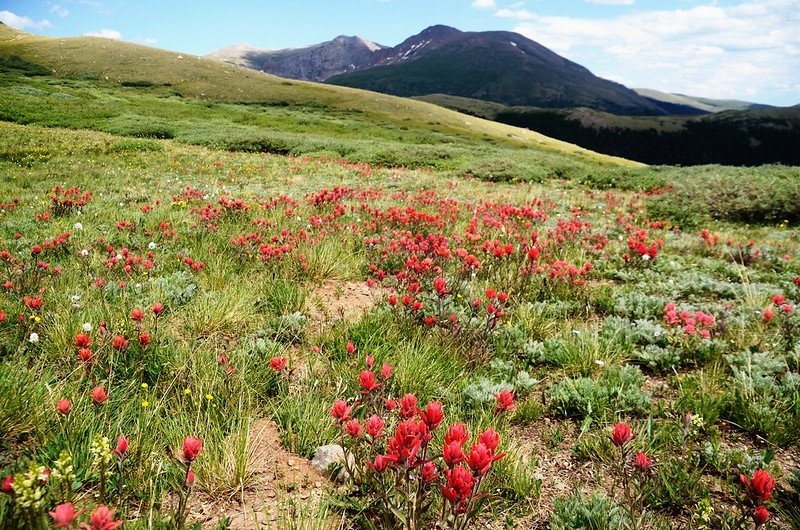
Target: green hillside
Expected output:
[124,88]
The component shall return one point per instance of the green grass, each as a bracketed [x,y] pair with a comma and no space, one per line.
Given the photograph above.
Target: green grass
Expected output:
[207,369]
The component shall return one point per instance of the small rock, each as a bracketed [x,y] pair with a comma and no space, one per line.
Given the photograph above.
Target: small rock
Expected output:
[291,463]
[327,455]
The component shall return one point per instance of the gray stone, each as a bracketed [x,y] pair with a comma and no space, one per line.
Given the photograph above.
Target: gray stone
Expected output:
[327,455]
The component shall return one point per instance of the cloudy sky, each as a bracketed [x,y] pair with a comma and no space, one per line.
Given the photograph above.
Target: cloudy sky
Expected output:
[742,49]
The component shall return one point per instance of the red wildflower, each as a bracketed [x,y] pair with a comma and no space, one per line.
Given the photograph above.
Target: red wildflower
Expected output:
[64,515]
[374,425]
[190,477]
[505,401]
[440,284]
[144,338]
[351,348]
[33,302]
[99,395]
[760,515]
[191,448]
[353,428]
[8,485]
[386,371]
[122,447]
[428,472]
[432,415]
[64,406]
[278,364]
[137,315]
[85,355]
[407,440]
[340,410]
[102,519]
[769,314]
[456,433]
[760,488]
[367,381]
[157,308]
[408,406]
[642,462]
[480,458]
[380,463]
[452,453]
[490,439]
[82,340]
[119,343]
[459,486]
[622,434]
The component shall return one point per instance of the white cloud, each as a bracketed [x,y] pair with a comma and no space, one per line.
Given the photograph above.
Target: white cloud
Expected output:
[20,22]
[104,33]
[484,4]
[59,10]
[750,49]
[516,14]
[612,2]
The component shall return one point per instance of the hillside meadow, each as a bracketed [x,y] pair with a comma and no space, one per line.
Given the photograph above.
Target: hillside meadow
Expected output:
[196,293]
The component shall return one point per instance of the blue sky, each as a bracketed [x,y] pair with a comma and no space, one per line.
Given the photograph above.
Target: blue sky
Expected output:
[743,49]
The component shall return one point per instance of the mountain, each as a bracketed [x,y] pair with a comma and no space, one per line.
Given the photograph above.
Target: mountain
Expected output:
[696,105]
[498,66]
[310,63]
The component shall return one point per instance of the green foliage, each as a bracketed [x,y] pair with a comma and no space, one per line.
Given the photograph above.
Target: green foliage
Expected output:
[22,414]
[617,390]
[177,289]
[678,485]
[579,512]
[140,126]
[769,196]
[502,376]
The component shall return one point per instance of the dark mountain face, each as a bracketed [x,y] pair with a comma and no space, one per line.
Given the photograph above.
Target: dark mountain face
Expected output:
[495,66]
[315,63]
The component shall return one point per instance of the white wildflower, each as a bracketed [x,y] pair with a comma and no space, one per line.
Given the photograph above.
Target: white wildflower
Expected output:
[78,226]
[34,338]
[87,327]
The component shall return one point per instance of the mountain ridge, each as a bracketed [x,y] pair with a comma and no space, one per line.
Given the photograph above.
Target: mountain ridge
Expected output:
[499,66]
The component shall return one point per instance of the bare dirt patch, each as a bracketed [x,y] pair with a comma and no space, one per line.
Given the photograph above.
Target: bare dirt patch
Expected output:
[278,479]
[336,301]
[551,442]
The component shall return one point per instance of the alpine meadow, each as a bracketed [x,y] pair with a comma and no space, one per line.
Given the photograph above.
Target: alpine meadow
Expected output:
[231,300]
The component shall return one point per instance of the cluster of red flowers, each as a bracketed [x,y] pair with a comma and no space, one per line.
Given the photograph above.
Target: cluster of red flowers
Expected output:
[127,261]
[758,490]
[65,200]
[639,246]
[709,238]
[458,469]
[779,301]
[692,323]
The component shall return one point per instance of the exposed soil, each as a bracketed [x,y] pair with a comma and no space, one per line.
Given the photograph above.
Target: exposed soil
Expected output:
[279,479]
[551,442]
[336,301]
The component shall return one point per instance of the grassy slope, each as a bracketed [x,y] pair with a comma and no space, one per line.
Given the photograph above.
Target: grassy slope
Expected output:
[205,79]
